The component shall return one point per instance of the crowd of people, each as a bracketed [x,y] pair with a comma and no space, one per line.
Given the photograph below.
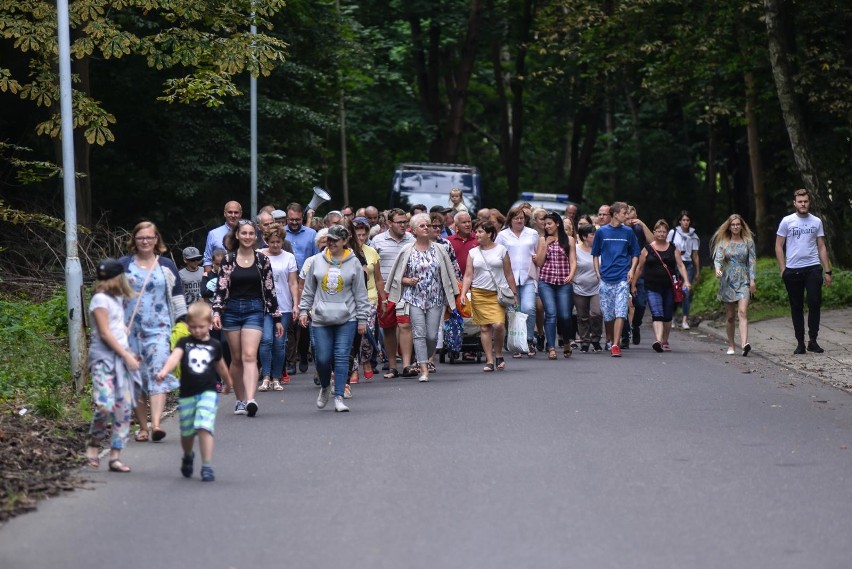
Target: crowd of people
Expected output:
[361,289]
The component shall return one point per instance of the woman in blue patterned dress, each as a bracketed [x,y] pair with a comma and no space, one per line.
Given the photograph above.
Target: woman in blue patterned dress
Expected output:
[158,304]
[423,282]
[734,259]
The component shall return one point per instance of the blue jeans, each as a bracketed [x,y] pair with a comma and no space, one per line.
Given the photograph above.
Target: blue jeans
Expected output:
[331,345]
[557,300]
[273,350]
[687,296]
[527,294]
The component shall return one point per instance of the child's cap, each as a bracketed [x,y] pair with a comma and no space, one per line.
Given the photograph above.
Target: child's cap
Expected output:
[279,214]
[360,220]
[109,268]
[191,254]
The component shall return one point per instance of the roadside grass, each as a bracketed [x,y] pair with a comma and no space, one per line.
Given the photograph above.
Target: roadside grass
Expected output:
[770,299]
[35,370]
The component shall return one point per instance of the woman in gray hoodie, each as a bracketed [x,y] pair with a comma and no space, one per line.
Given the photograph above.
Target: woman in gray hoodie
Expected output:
[335,299]
[684,237]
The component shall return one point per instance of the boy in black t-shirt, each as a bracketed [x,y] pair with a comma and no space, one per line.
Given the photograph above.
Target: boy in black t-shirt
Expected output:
[200,359]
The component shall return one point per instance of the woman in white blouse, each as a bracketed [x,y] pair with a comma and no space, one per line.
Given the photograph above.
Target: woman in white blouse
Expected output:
[521,242]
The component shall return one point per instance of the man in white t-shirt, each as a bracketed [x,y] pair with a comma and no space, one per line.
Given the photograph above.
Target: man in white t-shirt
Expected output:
[802,268]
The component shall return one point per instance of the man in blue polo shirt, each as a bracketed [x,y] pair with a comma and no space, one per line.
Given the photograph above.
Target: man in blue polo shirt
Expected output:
[216,237]
[302,237]
[615,252]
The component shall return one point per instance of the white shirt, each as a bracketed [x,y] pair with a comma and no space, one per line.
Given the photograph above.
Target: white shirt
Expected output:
[481,277]
[98,349]
[521,250]
[282,265]
[801,234]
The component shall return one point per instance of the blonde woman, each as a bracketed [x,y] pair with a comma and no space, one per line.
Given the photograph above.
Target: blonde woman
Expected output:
[734,259]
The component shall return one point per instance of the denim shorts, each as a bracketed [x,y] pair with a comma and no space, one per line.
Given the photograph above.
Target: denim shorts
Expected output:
[242,313]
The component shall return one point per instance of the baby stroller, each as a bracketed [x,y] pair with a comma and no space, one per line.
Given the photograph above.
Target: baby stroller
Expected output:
[461,336]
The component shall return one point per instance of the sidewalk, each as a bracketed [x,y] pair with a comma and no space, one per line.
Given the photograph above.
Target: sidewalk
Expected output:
[774,340]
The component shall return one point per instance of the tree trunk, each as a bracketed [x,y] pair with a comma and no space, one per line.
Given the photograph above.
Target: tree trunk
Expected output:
[585,128]
[797,131]
[457,92]
[711,182]
[765,239]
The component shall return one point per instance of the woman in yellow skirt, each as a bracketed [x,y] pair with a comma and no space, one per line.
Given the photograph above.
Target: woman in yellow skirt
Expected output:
[482,284]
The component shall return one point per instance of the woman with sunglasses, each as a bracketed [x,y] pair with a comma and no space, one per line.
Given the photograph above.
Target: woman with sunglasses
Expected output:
[158,304]
[421,284]
[335,299]
[245,294]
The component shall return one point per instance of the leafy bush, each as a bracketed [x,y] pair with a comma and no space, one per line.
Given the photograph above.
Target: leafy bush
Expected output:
[770,299]
[34,355]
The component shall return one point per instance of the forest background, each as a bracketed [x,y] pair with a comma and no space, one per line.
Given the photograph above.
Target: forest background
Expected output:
[715,107]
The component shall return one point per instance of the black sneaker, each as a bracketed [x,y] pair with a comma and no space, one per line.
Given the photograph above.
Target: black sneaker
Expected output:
[624,344]
[814,347]
[800,349]
[596,347]
[251,408]
[303,363]
[636,337]
[584,348]
[540,343]
[186,465]
[207,474]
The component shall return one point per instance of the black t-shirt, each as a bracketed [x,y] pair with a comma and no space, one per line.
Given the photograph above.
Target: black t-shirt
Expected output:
[656,277]
[198,365]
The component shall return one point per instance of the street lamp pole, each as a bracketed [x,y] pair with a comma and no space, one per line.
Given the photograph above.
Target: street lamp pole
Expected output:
[253,121]
[73,271]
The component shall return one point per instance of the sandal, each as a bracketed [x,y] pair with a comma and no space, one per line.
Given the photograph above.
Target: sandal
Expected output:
[488,367]
[392,373]
[141,436]
[531,351]
[410,371]
[517,355]
[567,350]
[551,353]
[468,357]
[276,386]
[118,466]
[264,386]
[501,363]
[93,462]
[431,367]
[158,435]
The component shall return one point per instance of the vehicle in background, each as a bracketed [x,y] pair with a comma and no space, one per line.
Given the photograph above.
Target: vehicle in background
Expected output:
[551,202]
[430,184]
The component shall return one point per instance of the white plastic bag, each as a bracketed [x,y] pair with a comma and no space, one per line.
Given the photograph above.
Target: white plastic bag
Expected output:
[516,335]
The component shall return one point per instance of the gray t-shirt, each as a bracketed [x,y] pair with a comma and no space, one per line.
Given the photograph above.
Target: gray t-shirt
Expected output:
[191,284]
[586,281]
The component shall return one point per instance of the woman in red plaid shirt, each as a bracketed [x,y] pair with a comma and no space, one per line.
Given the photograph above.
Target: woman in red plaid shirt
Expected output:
[557,262]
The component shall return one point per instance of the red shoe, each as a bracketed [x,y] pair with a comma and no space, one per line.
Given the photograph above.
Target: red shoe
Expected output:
[368,373]
[615,351]
[285,377]
[353,379]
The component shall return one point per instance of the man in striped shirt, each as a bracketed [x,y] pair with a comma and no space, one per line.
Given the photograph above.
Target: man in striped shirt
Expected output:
[388,245]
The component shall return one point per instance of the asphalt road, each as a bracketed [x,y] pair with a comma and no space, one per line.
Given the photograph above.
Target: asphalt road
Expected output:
[676,460]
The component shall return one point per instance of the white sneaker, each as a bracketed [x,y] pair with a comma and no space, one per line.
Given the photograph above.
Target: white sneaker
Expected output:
[731,351]
[339,405]
[322,398]
[685,324]
[423,378]
[251,408]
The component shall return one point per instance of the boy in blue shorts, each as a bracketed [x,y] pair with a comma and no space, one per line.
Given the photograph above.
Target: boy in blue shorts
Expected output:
[200,359]
[615,252]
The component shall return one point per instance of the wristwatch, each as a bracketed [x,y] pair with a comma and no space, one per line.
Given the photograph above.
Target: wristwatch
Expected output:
[828,272]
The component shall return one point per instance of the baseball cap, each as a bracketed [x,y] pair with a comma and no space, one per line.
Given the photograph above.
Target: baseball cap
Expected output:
[191,254]
[338,232]
[360,220]
[109,268]
[440,209]
[279,214]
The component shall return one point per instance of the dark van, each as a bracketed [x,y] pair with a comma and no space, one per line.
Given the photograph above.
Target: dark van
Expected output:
[430,184]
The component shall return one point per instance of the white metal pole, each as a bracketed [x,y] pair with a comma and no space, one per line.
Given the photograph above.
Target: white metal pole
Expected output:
[73,271]
[253,120]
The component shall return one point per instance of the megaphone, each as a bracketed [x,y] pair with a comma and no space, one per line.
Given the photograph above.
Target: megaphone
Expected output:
[320,197]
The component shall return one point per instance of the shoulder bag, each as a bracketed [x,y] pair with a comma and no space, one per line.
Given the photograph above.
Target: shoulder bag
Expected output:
[505,296]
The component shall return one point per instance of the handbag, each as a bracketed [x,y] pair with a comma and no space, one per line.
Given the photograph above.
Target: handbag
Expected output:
[677,284]
[505,296]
